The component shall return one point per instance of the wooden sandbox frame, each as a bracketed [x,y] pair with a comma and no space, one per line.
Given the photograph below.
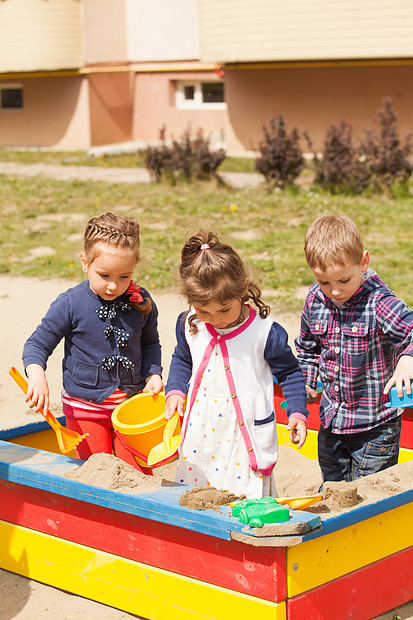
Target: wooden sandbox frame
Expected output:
[148,556]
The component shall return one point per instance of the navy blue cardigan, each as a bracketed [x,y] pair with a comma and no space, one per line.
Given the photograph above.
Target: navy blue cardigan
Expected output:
[118,351]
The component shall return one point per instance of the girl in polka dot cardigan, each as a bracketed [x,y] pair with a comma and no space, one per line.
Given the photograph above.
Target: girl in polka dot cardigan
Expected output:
[221,375]
[110,328]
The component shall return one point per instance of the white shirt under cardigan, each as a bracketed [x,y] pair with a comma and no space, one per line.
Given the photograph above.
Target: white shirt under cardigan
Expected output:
[251,354]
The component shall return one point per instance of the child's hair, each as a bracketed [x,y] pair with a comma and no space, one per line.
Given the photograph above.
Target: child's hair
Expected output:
[211,270]
[119,231]
[330,240]
[114,229]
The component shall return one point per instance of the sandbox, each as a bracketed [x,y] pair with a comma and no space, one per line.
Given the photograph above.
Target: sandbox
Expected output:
[129,543]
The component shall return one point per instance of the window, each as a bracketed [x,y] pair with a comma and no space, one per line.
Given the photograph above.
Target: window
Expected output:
[196,95]
[11,98]
[212,92]
[189,93]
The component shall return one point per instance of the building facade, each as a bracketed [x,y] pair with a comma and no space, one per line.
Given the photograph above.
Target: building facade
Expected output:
[83,73]
[315,63]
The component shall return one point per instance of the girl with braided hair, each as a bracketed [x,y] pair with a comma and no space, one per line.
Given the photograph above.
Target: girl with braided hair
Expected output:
[226,355]
[110,330]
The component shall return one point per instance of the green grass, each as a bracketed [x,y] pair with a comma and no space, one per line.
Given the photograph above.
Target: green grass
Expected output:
[266,228]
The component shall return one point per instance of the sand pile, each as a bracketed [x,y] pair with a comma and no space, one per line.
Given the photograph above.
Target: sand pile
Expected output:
[109,472]
[343,496]
[203,498]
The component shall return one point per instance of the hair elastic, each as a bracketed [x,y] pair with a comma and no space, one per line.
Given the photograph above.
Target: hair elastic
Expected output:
[205,246]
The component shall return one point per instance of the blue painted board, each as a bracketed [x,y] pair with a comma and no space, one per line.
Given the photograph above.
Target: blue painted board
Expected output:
[46,471]
[28,429]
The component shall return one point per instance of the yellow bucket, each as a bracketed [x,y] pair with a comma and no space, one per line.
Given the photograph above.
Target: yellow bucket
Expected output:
[139,422]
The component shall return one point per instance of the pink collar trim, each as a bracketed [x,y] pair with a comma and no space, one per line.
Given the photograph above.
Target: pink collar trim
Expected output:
[236,332]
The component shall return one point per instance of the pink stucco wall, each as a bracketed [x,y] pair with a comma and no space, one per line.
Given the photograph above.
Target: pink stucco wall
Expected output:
[111,107]
[104,108]
[55,113]
[313,98]
[155,106]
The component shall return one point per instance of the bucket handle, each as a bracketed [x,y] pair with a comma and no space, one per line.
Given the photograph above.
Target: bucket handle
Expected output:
[129,448]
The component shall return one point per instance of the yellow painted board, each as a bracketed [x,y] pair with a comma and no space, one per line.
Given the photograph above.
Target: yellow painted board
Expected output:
[309,449]
[315,562]
[42,440]
[131,586]
[46,440]
[405,455]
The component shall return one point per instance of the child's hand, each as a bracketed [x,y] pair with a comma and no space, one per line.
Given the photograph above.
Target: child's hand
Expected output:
[174,403]
[312,395]
[37,396]
[298,430]
[154,384]
[402,374]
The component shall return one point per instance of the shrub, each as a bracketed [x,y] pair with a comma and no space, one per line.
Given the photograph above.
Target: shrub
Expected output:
[380,159]
[158,158]
[206,161]
[186,158]
[281,158]
[387,158]
[341,169]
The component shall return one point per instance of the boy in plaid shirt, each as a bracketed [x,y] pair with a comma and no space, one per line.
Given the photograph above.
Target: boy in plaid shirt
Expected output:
[356,337]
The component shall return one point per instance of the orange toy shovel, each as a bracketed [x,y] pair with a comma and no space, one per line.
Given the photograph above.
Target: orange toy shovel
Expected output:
[66,438]
[299,503]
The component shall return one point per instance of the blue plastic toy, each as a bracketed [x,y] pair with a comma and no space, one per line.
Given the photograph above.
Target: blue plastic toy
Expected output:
[396,401]
[257,512]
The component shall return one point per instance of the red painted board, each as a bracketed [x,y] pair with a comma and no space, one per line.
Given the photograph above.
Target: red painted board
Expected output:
[257,571]
[313,420]
[408,414]
[365,593]
[406,437]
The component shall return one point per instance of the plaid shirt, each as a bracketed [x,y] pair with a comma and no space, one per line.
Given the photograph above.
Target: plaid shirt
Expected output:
[354,350]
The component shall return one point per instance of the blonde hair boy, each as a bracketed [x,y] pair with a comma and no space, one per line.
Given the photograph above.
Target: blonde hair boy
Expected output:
[356,337]
[333,239]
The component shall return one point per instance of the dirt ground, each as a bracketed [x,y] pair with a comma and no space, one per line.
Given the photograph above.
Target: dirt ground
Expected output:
[23,302]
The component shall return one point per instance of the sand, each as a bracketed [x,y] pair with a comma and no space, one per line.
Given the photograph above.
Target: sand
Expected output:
[109,472]
[23,302]
[295,476]
[204,498]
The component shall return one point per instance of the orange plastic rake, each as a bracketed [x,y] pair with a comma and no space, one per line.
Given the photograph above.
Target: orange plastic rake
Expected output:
[66,438]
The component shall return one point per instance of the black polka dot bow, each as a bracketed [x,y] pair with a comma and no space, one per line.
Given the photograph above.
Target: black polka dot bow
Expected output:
[108,311]
[110,360]
[122,336]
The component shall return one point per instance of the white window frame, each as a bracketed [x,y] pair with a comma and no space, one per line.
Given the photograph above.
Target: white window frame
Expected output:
[11,87]
[196,103]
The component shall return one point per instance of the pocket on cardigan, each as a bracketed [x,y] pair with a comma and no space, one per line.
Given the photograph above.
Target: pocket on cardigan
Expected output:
[85,374]
[266,420]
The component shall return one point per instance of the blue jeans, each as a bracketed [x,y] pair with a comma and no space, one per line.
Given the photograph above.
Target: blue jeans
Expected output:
[347,457]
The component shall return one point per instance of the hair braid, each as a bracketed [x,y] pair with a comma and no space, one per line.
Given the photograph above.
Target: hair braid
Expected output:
[118,231]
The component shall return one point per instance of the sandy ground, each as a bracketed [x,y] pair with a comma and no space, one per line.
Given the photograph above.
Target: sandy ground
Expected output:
[23,302]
